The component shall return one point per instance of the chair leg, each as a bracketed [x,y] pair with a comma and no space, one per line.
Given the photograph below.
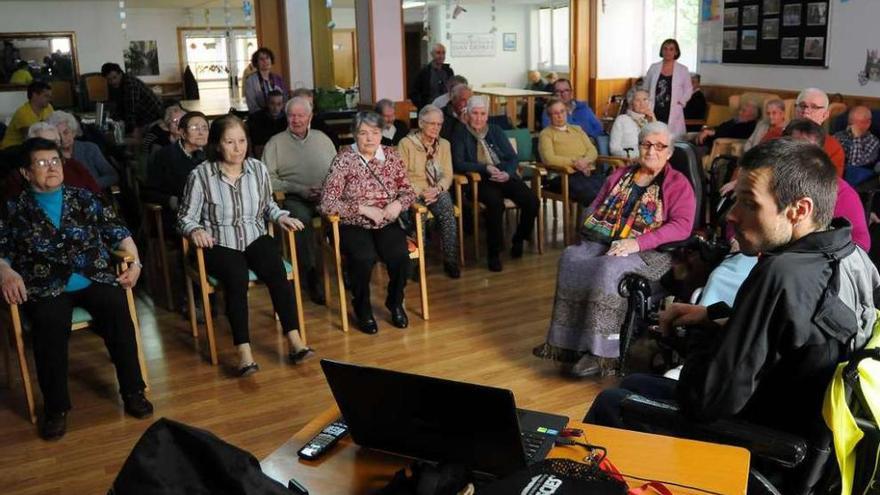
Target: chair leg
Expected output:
[163,257]
[566,212]
[206,306]
[297,290]
[142,362]
[423,284]
[475,212]
[540,226]
[22,362]
[337,257]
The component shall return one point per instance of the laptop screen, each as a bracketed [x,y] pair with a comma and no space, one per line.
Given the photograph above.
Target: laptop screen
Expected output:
[428,418]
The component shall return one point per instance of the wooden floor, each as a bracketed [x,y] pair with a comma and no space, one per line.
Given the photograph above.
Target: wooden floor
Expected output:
[482,330]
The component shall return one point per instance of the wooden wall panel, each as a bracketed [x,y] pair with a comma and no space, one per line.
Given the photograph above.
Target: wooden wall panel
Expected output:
[271,21]
[322,44]
[605,88]
[720,94]
[582,46]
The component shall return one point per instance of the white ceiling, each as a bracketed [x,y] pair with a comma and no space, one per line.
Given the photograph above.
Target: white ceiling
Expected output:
[194,4]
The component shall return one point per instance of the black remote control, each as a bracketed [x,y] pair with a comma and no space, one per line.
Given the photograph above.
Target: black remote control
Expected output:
[324,440]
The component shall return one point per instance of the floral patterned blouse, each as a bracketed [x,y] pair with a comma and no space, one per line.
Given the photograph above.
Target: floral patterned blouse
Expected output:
[351,184]
[46,256]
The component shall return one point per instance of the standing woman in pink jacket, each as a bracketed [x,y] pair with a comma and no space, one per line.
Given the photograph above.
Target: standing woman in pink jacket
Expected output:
[669,84]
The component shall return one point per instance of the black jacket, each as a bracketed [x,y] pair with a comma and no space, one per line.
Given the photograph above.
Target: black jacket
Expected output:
[464,151]
[772,360]
[401,130]
[167,172]
[420,92]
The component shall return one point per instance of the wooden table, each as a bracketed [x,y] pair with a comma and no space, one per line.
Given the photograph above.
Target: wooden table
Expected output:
[513,95]
[214,107]
[349,469]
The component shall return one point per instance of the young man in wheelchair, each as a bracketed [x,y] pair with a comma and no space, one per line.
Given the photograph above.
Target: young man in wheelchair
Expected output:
[805,305]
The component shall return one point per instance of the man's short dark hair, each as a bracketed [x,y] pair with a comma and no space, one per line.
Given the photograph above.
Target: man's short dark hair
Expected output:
[562,80]
[807,128]
[255,58]
[32,145]
[109,67]
[37,87]
[800,170]
[274,92]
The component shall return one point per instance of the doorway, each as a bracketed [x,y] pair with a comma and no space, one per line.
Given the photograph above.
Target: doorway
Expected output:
[217,58]
[344,58]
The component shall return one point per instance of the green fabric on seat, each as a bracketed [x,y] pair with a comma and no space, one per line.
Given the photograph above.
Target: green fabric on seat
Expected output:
[80,316]
[252,277]
[524,151]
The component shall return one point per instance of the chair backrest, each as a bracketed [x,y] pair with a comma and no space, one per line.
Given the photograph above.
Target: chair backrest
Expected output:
[758,98]
[62,94]
[790,103]
[716,114]
[521,139]
[93,88]
[684,159]
[834,109]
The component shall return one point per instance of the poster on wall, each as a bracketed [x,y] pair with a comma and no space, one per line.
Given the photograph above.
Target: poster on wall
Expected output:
[472,44]
[142,58]
[777,32]
[872,68]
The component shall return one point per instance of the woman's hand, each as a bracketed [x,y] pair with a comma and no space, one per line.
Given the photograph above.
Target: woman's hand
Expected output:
[392,210]
[128,279]
[12,285]
[430,195]
[290,224]
[373,213]
[202,239]
[583,165]
[623,247]
[678,314]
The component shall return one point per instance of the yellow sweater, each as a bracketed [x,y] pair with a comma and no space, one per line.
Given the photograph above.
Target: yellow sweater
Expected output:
[560,148]
[414,155]
[23,118]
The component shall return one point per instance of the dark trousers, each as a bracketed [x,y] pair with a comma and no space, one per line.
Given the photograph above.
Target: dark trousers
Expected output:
[304,211]
[362,248]
[50,323]
[231,267]
[492,194]
[605,410]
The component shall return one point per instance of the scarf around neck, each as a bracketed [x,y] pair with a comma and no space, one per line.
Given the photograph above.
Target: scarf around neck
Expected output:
[487,150]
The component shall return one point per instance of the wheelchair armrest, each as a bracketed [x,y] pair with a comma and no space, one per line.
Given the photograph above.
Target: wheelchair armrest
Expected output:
[778,447]
[559,169]
[693,240]
[153,207]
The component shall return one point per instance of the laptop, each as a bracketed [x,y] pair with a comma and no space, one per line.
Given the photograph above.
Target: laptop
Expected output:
[440,420]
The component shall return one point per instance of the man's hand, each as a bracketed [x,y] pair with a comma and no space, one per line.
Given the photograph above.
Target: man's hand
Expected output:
[678,314]
[290,224]
[202,239]
[704,134]
[373,213]
[392,210]
[12,285]
[128,279]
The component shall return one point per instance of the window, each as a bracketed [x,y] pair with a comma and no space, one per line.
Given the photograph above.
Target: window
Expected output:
[553,44]
[672,19]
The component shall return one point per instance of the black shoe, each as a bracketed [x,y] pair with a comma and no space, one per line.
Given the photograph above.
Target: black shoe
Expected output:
[495,264]
[248,370]
[452,269]
[316,290]
[136,405]
[300,356]
[516,249]
[367,324]
[398,317]
[53,426]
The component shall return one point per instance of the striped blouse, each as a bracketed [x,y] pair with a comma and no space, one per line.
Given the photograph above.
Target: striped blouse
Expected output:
[234,215]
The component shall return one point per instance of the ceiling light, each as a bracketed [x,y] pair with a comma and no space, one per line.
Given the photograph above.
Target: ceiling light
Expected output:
[412,4]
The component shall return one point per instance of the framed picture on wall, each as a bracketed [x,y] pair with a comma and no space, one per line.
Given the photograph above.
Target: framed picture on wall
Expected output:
[750,15]
[730,39]
[791,15]
[731,17]
[770,29]
[749,39]
[817,14]
[771,7]
[509,42]
[790,48]
[814,47]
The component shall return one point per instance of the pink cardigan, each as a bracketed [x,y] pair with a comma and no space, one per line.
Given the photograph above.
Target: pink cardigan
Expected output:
[849,206]
[678,202]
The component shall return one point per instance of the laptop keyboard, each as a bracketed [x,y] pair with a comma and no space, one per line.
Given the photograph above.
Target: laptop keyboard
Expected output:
[532,443]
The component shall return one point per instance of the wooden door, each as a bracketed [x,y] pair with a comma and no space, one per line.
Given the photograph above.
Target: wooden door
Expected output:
[344,58]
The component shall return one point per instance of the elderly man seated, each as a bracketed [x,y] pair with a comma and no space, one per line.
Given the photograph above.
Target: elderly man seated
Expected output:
[267,122]
[860,147]
[812,104]
[393,129]
[740,127]
[444,99]
[579,113]
[455,113]
[55,247]
[298,160]
[771,360]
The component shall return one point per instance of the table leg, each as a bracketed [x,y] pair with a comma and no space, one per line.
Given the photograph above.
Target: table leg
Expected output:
[511,109]
[530,112]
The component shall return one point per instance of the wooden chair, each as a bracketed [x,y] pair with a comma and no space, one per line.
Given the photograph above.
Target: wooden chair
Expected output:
[458,207]
[81,319]
[157,251]
[723,146]
[209,285]
[334,252]
[569,214]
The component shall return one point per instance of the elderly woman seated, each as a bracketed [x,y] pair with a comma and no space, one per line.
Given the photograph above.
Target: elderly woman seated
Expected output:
[170,167]
[428,160]
[484,148]
[638,208]
[226,204]
[393,130]
[769,128]
[368,189]
[624,139]
[89,154]
[563,145]
[55,243]
[163,132]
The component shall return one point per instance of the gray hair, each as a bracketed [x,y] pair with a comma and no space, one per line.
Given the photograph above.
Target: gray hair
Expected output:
[656,127]
[458,89]
[434,48]
[630,96]
[298,100]
[427,110]
[809,91]
[754,105]
[61,117]
[477,101]
[775,102]
[170,111]
[39,127]
[382,104]
[369,118]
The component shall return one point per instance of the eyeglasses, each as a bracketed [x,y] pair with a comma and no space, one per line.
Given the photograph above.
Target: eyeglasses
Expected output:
[43,163]
[433,124]
[657,146]
[562,91]
[194,128]
[803,107]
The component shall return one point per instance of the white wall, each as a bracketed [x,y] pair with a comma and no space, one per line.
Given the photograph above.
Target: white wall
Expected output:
[621,40]
[299,39]
[853,29]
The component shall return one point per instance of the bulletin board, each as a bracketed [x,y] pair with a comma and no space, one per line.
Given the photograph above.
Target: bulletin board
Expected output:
[776,32]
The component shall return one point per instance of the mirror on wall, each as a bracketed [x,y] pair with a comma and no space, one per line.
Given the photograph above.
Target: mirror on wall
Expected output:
[49,56]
